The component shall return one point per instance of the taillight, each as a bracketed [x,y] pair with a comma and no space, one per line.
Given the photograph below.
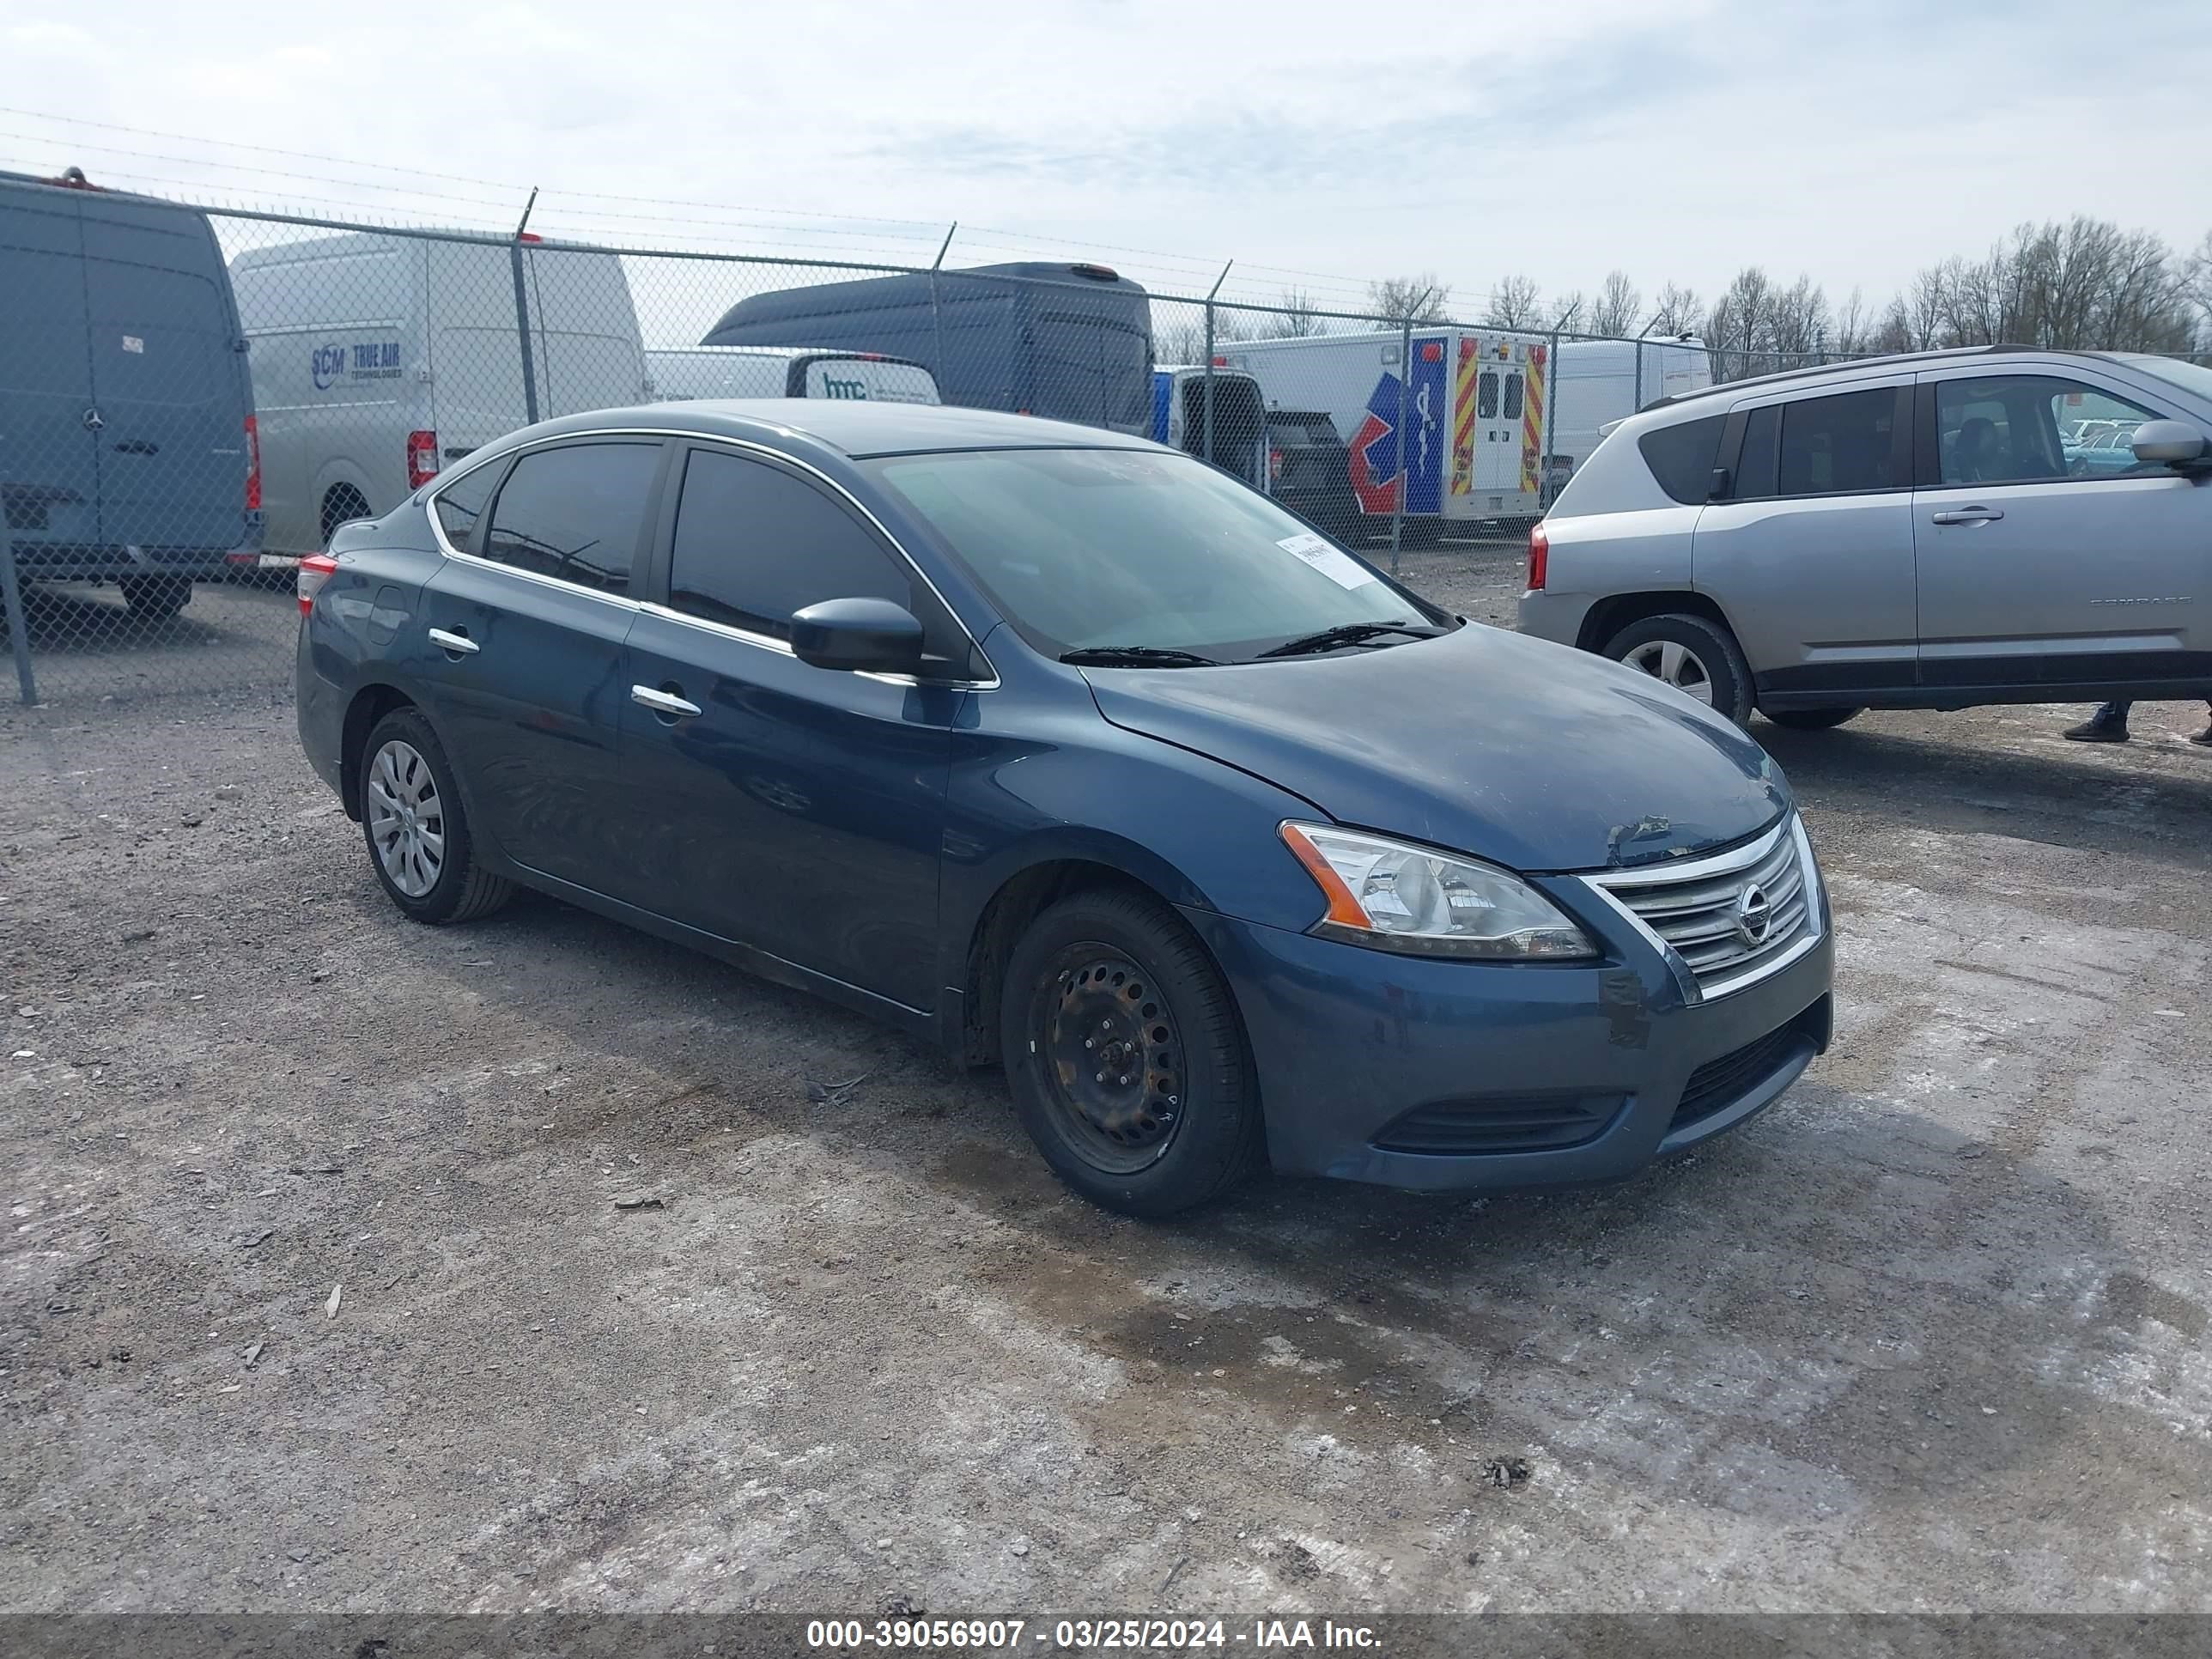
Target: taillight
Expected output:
[253,465]
[1274,464]
[421,459]
[314,570]
[1539,557]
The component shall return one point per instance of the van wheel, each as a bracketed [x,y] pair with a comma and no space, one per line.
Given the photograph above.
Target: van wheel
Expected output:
[1698,657]
[418,835]
[343,505]
[1810,719]
[155,599]
[1125,1057]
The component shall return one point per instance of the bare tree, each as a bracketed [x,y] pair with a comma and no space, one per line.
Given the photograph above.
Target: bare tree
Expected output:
[1677,311]
[1854,327]
[1517,302]
[1419,298]
[1294,317]
[1618,304]
[1569,311]
[1178,330]
[2197,284]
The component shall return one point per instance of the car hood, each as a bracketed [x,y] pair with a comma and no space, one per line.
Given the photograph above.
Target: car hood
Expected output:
[1526,753]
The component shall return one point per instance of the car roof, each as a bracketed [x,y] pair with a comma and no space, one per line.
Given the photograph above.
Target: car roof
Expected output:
[856,428]
[1856,366]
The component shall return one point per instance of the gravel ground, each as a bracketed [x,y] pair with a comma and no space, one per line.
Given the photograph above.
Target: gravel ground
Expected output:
[1932,1334]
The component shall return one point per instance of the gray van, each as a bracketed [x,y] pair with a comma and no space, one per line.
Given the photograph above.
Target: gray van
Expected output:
[1900,533]
[1060,342]
[127,442]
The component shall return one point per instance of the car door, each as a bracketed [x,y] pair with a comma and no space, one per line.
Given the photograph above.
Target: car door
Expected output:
[794,809]
[2041,570]
[1808,550]
[522,654]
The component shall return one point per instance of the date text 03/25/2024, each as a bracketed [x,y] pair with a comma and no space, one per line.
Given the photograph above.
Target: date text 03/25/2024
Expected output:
[1086,1635]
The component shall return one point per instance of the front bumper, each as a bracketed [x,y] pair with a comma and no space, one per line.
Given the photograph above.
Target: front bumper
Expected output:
[1559,1074]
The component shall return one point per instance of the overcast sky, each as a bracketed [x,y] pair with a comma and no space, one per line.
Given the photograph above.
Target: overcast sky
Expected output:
[1675,138]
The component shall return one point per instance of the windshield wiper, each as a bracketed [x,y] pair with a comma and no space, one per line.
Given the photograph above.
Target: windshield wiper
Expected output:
[1135,656]
[1346,634]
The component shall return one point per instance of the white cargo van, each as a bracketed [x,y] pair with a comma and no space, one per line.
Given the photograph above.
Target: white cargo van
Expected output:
[1598,384]
[683,373]
[378,359]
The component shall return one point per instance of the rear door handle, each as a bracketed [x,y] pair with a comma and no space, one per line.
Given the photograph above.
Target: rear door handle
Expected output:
[459,644]
[1967,515]
[662,702]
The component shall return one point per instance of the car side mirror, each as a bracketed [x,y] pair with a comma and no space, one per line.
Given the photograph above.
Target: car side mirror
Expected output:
[859,637]
[2168,443]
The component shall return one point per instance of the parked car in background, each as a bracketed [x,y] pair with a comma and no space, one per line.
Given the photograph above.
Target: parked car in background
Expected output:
[685,373]
[2108,454]
[1060,342]
[126,413]
[1237,435]
[378,359]
[1308,471]
[1899,532]
[1061,749]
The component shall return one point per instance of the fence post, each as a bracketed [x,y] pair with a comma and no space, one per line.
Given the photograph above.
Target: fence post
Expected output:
[1404,461]
[936,306]
[522,315]
[1552,380]
[1210,292]
[1638,403]
[19,631]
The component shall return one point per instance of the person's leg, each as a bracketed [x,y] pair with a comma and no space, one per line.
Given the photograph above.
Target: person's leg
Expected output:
[2108,725]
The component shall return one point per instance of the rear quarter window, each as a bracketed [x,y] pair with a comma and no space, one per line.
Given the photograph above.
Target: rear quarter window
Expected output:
[1681,457]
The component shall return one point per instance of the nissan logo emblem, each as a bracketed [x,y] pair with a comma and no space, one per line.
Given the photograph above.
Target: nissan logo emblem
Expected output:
[1754,915]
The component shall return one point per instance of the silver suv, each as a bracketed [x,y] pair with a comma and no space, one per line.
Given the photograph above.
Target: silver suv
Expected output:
[1901,532]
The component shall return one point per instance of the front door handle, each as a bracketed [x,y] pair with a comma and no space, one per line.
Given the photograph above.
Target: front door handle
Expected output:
[662,702]
[1967,515]
[458,644]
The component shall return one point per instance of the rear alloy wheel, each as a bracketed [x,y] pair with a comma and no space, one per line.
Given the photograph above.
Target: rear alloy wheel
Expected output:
[1125,1056]
[1810,719]
[1698,657]
[418,832]
[157,598]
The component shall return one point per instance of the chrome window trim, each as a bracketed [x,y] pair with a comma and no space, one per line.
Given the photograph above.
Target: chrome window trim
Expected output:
[766,642]
[1602,882]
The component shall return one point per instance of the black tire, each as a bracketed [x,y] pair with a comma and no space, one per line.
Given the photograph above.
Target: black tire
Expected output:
[1190,1128]
[155,599]
[1810,719]
[1719,666]
[459,889]
[341,505]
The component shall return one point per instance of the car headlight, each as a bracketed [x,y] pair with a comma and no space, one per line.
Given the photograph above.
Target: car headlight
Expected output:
[1395,896]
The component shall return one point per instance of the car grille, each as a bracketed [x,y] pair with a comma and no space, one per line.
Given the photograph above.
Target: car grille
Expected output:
[1533,1124]
[1721,1083]
[1709,910]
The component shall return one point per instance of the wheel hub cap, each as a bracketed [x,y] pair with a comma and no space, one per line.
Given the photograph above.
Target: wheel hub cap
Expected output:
[1114,1052]
[406,819]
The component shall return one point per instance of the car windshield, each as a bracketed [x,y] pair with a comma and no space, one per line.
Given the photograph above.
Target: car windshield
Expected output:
[2190,377]
[1084,550]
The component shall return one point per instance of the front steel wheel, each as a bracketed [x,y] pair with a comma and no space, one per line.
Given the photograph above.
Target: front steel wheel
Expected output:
[1113,1076]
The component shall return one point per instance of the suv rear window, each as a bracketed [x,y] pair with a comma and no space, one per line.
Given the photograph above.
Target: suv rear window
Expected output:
[1681,457]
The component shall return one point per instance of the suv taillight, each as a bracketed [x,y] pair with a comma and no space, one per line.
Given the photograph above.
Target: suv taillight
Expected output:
[253,465]
[1539,557]
[314,570]
[1274,464]
[421,459]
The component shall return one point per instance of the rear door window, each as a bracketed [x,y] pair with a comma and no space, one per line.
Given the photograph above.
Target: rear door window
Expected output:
[1511,411]
[1681,457]
[576,513]
[1832,445]
[1486,395]
[754,545]
[460,504]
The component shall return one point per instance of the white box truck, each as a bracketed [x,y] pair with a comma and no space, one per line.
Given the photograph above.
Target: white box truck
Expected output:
[684,374]
[1473,409]
[378,359]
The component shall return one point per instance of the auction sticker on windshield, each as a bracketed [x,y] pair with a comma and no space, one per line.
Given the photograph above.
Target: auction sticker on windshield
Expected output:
[1338,566]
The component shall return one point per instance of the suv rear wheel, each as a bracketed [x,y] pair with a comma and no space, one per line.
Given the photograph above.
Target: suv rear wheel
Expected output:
[1699,658]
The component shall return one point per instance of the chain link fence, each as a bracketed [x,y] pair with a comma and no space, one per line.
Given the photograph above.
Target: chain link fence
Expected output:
[199,396]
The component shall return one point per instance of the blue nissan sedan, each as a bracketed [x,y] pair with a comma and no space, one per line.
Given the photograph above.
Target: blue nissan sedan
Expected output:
[1065,751]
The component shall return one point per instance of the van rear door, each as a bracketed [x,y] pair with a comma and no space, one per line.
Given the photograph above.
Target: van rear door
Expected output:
[168,378]
[584,337]
[866,378]
[50,463]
